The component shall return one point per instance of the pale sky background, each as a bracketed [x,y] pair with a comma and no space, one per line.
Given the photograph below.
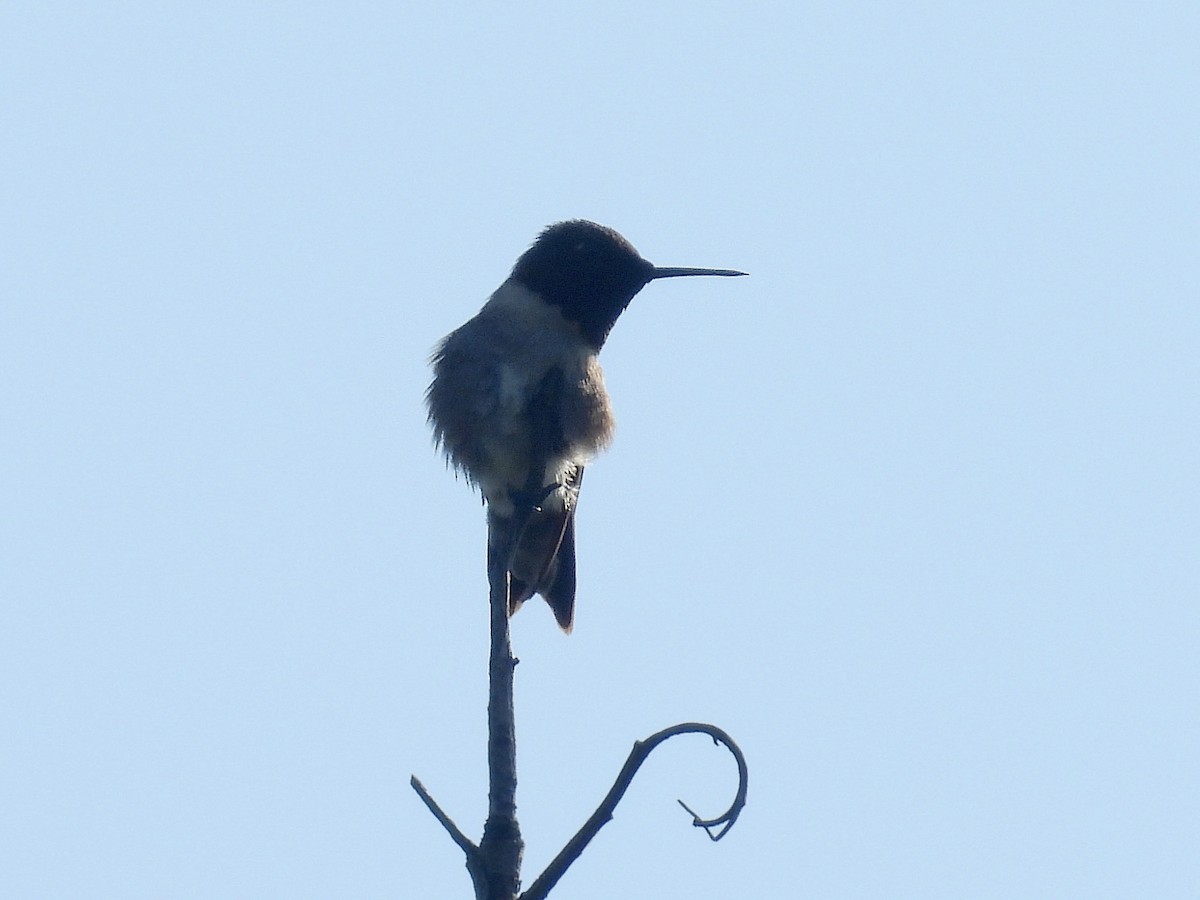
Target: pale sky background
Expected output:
[912,512]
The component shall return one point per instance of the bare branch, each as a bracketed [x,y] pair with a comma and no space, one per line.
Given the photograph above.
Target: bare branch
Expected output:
[464,843]
[604,812]
[474,861]
[501,847]
[495,864]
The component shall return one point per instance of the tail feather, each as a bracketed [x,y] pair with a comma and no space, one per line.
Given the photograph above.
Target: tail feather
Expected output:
[560,592]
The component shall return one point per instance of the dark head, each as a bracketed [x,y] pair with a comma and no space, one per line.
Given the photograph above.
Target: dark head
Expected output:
[591,273]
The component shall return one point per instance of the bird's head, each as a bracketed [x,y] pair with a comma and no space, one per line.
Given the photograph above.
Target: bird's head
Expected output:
[591,273]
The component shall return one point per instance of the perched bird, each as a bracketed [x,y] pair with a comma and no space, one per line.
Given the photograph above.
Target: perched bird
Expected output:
[518,403]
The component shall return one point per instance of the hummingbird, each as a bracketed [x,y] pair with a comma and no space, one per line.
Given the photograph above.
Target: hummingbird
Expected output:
[517,403]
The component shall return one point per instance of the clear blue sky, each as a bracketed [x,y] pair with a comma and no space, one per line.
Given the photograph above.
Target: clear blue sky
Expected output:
[912,512]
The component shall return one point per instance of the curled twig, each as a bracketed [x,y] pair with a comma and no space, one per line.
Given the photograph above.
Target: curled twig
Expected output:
[730,815]
[604,812]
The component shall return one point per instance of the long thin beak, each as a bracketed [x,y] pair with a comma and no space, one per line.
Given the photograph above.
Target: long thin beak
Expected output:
[677,271]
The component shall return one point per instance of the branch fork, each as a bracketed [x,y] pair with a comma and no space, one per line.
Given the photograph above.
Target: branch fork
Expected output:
[495,863]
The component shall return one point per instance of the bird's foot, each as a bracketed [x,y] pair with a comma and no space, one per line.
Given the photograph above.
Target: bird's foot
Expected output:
[531,500]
